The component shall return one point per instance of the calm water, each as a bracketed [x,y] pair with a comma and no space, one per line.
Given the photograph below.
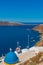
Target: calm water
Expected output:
[9,35]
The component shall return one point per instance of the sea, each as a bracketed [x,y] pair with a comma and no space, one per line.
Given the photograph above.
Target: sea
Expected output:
[10,35]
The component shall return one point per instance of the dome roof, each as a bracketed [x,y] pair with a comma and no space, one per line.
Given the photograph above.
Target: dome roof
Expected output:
[11,58]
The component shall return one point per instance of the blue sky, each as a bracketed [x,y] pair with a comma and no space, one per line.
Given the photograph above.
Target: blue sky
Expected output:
[21,10]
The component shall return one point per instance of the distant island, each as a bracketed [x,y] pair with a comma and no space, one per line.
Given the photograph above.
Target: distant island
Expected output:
[6,23]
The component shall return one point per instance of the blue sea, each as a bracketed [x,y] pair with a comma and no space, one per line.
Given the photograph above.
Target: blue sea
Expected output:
[10,35]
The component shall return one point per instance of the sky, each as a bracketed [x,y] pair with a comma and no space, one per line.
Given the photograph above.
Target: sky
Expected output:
[21,10]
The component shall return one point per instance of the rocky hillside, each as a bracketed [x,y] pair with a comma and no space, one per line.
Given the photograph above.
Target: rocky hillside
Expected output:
[39,28]
[40,43]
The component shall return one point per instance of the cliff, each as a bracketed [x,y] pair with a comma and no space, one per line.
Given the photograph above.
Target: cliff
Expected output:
[40,43]
[39,28]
